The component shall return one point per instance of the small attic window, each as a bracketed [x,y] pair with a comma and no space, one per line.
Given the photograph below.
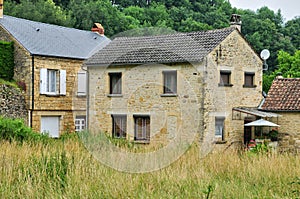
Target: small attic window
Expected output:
[37,29]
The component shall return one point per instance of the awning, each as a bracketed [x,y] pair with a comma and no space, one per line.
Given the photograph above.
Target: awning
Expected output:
[262,122]
[255,112]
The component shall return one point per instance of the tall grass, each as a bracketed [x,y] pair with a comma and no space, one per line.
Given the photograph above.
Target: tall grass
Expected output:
[65,169]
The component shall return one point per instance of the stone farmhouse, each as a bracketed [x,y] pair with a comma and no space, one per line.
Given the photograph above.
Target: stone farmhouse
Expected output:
[284,98]
[168,88]
[48,61]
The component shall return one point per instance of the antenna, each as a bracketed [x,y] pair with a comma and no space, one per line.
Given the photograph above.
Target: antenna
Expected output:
[265,54]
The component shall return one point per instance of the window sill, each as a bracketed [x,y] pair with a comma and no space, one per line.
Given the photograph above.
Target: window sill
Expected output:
[249,86]
[114,95]
[81,96]
[221,142]
[51,94]
[225,85]
[141,141]
[169,95]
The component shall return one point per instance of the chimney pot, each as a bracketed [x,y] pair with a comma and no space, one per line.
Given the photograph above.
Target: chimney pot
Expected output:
[235,21]
[1,9]
[97,27]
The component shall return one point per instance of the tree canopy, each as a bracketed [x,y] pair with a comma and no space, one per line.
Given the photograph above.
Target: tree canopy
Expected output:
[263,28]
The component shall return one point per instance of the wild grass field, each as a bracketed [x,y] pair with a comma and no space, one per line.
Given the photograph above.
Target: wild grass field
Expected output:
[65,169]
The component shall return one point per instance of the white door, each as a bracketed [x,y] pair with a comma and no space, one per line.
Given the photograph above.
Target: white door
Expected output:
[50,125]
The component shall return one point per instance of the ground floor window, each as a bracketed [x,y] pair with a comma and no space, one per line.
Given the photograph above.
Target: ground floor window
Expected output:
[142,128]
[119,126]
[79,123]
[50,125]
[219,127]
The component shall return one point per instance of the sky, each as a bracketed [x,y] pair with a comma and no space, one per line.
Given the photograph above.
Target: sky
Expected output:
[289,8]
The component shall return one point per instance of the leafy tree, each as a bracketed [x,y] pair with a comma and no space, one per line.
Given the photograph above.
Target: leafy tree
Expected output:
[291,30]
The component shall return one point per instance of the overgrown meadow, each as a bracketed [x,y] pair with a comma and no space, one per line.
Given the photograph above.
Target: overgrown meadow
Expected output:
[63,168]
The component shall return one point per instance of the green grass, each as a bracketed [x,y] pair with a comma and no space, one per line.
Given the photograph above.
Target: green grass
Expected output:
[65,169]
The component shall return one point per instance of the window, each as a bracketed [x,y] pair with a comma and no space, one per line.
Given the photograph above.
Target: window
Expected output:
[249,79]
[170,82]
[79,123]
[142,128]
[225,78]
[219,127]
[52,81]
[81,83]
[119,126]
[115,80]
[50,125]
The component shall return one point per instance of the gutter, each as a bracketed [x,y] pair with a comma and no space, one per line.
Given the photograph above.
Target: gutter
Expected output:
[87,96]
[32,89]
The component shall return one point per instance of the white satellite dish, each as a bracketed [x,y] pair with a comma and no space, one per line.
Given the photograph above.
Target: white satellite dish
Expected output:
[265,54]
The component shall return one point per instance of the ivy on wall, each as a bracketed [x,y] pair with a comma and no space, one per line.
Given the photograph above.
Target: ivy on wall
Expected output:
[6,60]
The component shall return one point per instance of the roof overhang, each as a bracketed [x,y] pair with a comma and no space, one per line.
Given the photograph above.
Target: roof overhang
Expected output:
[255,112]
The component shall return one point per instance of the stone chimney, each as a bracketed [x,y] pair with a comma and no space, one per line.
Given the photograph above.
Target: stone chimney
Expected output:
[1,9]
[98,28]
[235,21]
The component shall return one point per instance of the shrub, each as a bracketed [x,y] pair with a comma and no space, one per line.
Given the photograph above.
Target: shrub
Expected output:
[15,129]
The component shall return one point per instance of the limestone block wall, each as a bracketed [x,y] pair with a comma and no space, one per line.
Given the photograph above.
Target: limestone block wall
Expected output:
[289,131]
[171,117]
[65,106]
[233,54]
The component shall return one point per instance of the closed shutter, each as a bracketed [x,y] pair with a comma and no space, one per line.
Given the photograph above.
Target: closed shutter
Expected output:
[50,126]
[43,81]
[81,83]
[63,75]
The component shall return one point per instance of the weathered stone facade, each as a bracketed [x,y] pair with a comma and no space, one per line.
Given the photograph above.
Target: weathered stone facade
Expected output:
[67,107]
[199,99]
[13,104]
[289,131]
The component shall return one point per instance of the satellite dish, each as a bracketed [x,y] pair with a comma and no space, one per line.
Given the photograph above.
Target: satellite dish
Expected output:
[265,54]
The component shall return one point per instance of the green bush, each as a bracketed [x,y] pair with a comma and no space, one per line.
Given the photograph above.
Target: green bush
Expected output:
[6,60]
[15,129]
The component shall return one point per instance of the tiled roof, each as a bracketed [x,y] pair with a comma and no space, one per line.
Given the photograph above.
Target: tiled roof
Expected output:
[52,40]
[178,47]
[284,95]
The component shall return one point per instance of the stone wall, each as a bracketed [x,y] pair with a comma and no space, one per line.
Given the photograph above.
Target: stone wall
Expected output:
[289,131]
[198,101]
[13,103]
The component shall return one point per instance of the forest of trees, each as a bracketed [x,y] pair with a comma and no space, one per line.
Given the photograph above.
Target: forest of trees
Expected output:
[263,28]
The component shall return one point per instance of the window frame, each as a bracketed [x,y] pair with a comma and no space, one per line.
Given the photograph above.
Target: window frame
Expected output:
[226,73]
[252,76]
[145,127]
[220,122]
[81,127]
[122,119]
[53,85]
[170,83]
[112,84]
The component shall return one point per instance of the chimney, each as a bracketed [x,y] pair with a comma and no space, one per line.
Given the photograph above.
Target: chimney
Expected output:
[98,28]
[235,21]
[1,9]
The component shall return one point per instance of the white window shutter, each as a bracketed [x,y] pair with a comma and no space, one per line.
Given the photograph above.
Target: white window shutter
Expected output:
[81,90]
[43,80]
[63,82]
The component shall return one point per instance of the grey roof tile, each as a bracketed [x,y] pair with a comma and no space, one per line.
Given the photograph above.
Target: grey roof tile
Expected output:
[52,40]
[178,47]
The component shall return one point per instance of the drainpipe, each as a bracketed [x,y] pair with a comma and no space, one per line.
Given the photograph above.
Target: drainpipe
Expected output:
[87,96]
[32,89]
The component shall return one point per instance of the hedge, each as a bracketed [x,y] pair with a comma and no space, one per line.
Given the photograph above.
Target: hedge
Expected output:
[6,60]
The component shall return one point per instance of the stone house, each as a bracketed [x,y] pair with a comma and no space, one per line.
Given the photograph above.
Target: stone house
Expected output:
[168,88]
[284,98]
[48,65]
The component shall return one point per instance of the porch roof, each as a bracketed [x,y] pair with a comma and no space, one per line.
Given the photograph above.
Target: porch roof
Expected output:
[254,111]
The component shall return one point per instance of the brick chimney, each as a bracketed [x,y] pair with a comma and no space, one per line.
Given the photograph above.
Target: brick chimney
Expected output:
[235,21]
[1,9]
[98,28]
